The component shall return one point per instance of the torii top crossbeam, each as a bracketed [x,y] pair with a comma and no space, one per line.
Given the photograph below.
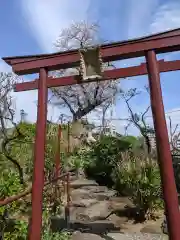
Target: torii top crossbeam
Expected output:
[162,42]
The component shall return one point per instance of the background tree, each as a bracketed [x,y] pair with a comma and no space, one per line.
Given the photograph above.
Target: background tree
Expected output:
[81,99]
[138,120]
[101,116]
[7,113]
[174,137]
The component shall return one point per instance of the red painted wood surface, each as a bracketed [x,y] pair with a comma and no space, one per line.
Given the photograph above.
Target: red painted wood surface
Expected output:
[108,75]
[161,43]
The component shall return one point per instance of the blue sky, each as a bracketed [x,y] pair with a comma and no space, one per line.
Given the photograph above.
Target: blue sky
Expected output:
[31,26]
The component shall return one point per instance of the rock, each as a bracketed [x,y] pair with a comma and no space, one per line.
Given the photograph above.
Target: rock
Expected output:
[79,183]
[117,221]
[78,194]
[75,212]
[96,227]
[104,195]
[117,205]
[119,236]
[100,192]
[152,228]
[122,200]
[91,193]
[73,178]
[96,189]
[98,211]
[57,223]
[85,236]
[84,203]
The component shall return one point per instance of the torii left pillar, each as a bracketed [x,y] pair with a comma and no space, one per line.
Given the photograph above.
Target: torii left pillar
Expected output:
[39,158]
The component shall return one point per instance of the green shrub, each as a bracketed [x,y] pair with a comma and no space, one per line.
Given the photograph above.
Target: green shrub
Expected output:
[135,143]
[9,183]
[79,160]
[22,148]
[9,186]
[139,178]
[102,158]
[56,236]
[176,167]
[20,231]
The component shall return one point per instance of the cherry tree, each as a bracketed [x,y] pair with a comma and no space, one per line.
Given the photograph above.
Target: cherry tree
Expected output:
[81,99]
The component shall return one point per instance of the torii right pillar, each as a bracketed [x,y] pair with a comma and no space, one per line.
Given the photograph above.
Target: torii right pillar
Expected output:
[163,148]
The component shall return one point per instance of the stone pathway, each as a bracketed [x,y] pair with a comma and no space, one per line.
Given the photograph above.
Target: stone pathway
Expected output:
[117,236]
[96,213]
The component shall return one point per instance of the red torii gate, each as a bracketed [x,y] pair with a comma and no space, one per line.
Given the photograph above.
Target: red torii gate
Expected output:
[148,47]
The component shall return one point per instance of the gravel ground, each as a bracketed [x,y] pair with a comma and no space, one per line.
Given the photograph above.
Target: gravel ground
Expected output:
[119,236]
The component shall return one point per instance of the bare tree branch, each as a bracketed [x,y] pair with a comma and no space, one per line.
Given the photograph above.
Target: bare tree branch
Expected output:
[126,127]
[7,116]
[137,119]
[143,116]
[174,135]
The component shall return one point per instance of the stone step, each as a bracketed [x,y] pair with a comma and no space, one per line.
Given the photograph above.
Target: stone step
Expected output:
[98,211]
[85,236]
[89,192]
[79,183]
[83,203]
[95,227]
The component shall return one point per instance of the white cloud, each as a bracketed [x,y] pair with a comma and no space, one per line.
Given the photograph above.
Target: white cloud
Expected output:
[46,18]
[4,67]
[152,17]
[166,17]
[139,17]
